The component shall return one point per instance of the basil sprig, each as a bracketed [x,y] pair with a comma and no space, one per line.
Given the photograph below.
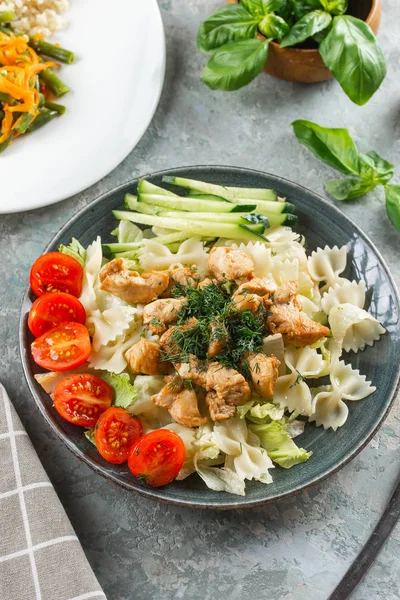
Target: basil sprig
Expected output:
[347,45]
[336,148]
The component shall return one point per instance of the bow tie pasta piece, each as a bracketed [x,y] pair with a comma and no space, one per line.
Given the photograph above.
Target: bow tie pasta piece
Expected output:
[350,292]
[112,357]
[157,257]
[260,254]
[329,410]
[109,324]
[351,384]
[242,448]
[292,393]
[308,361]
[327,264]
[354,327]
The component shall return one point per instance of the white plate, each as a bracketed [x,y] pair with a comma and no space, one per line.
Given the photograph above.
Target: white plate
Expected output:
[115,84]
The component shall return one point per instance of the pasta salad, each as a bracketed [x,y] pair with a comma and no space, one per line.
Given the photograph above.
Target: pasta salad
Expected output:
[204,343]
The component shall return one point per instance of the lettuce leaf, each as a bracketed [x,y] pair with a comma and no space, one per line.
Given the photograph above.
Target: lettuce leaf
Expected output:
[280,447]
[125,393]
[76,250]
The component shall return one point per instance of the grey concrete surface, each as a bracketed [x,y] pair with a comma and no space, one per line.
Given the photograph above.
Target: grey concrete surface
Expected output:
[297,549]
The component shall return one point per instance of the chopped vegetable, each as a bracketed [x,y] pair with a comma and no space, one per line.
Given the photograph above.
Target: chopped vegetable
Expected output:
[115,433]
[81,399]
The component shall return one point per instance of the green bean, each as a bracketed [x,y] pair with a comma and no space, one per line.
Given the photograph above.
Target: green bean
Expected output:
[6,16]
[56,52]
[43,117]
[24,123]
[54,83]
[59,108]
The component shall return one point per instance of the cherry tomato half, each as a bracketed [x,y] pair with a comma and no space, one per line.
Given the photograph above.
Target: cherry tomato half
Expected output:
[56,272]
[51,309]
[116,432]
[62,348]
[81,399]
[157,457]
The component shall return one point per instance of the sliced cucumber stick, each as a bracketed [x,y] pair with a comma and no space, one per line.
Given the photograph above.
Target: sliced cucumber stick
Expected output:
[189,204]
[145,187]
[229,193]
[203,216]
[206,229]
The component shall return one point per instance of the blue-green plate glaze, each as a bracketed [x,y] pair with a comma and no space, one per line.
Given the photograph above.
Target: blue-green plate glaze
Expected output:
[322,224]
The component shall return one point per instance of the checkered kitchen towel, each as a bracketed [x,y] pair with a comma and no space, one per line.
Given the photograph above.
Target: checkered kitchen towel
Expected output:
[40,556]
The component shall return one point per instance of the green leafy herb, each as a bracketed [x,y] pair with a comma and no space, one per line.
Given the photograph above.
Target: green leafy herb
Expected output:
[335,7]
[336,148]
[351,52]
[312,23]
[228,24]
[298,380]
[235,64]
[257,218]
[393,204]
[347,44]
[274,27]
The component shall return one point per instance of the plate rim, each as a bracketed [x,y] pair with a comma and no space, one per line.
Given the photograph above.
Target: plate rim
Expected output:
[151,493]
[116,162]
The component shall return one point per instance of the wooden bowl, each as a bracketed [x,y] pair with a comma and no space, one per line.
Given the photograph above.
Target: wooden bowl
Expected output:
[305,65]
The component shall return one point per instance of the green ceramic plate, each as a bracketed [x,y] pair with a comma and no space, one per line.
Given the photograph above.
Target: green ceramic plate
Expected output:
[322,224]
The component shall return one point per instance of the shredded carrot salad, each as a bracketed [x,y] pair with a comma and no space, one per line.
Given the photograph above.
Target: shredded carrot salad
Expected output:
[19,67]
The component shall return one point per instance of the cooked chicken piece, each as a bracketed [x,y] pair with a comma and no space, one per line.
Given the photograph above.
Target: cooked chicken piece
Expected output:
[285,318]
[183,275]
[194,370]
[204,283]
[230,264]
[185,409]
[246,301]
[161,313]
[144,357]
[166,341]
[218,339]
[264,373]
[258,285]
[181,404]
[226,389]
[217,407]
[130,285]
[166,396]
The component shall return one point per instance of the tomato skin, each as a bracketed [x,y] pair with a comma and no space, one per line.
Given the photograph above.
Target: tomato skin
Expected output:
[81,399]
[56,272]
[113,427]
[51,309]
[157,457]
[64,347]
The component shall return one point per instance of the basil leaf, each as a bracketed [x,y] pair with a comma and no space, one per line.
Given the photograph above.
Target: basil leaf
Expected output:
[227,24]
[351,52]
[274,5]
[335,7]
[312,23]
[254,7]
[335,147]
[348,189]
[235,64]
[257,218]
[273,27]
[375,167]
[393,204]
[302,7]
